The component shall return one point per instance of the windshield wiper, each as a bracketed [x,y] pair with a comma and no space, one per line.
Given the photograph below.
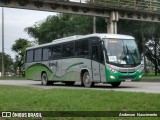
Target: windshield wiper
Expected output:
[128,51]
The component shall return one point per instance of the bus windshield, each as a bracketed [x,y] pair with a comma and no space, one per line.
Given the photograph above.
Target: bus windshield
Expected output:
[122,51]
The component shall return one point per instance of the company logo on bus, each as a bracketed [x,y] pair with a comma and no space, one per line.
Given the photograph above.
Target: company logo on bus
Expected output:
[56,64]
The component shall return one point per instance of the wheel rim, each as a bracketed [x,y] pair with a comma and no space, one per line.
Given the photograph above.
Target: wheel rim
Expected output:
[87,80]
[44,79]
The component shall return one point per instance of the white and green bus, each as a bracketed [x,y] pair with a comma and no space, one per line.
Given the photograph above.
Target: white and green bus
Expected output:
[89,59]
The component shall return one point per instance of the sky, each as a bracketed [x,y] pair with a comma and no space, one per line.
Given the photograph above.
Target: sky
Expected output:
[15,21]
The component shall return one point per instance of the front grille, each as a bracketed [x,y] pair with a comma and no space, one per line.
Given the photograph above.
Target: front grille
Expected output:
[127,70]
[127,77]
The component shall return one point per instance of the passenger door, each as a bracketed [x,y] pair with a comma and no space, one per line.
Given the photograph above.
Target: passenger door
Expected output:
[95,63]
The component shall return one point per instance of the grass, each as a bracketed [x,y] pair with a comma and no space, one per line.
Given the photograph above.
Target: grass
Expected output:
[16,98]
[151,76]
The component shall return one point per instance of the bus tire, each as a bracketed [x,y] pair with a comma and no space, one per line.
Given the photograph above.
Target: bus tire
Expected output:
[44,79]
[115,84]
[70,83]
[87,80]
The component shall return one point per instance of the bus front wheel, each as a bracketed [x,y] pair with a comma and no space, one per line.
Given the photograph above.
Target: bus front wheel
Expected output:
[87,80]
[115,84]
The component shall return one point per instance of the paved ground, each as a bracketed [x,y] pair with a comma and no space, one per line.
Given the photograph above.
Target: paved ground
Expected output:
[147,87]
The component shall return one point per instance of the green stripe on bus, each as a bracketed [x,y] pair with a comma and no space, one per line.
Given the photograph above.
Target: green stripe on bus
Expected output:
[35,70]
[62,76]
[75,64]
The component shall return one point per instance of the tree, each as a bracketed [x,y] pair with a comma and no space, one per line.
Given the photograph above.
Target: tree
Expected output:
[157,49]
[63,25]
[8,63]
[19,47]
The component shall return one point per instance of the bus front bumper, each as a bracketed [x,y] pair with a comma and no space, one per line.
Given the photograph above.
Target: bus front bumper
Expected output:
[115,76]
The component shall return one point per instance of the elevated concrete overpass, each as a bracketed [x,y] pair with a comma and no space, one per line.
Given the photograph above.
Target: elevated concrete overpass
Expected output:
[112,10]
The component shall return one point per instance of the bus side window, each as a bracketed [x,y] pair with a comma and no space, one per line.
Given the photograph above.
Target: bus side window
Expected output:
[68,49]
[46,53]
[57,52]
[29,56]
[81,47]
[37,54]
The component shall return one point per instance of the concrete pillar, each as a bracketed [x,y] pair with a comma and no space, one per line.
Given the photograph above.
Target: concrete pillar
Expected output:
[94,24]
[3,67]
[112,22]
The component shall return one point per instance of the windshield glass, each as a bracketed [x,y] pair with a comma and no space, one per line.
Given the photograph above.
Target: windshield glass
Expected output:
[121,51]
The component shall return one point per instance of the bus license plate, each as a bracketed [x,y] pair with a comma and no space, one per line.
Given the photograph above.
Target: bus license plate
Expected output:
[128,80]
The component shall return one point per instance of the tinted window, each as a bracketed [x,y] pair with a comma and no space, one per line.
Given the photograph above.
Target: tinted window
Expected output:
[29,56]
[101,55]
[38,54]
[68,49]
[95,53]
[57,52]
[46,53]
[81,47]
[94,40]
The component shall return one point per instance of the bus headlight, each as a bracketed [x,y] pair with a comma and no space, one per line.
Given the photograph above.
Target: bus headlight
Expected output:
[112,77]
[140,76]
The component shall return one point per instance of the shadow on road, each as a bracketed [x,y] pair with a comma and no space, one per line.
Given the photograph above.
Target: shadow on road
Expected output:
[98,86]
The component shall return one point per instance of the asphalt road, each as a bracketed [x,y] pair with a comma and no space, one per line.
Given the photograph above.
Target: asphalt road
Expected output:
[147,87]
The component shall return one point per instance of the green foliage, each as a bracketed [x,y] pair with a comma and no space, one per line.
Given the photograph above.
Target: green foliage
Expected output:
[19,47]
[150,30]
[152,76]
[63,25]
[8,62]
[59,26]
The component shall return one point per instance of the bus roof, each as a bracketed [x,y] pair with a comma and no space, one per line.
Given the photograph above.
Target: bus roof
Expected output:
[77,37]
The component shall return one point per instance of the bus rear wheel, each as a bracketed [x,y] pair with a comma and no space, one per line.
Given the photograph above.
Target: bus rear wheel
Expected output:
[44,80]
[115,84]
[87,80]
